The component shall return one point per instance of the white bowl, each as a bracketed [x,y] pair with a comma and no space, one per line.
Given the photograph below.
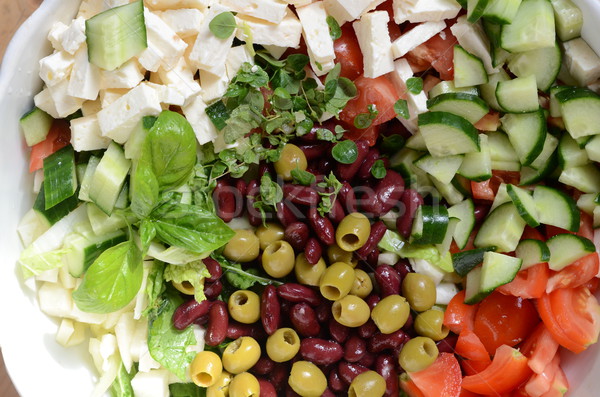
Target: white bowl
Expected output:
[35,362]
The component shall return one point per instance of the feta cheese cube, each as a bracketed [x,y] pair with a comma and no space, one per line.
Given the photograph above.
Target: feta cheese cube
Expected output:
[345,11]
[65,104]
[118,119]
[415,37]
[375,43]
[55,35]
[213,86]
[319,68]
[299,3]
[165,47]
[168,95]
[473,39]
[235,59]
[581,61]
[84,81]
[283,35]
[173,4]
[181,78]
[127,75]
[107,97]
[269,10]
[184,21]
[154,383]
[90,108]
[56,67]
[417,103]
[44,101]
[86,134]
[74,37]
[315,30]
[90,8]
[428,10]
[402,9]
[195,113]
[276,51]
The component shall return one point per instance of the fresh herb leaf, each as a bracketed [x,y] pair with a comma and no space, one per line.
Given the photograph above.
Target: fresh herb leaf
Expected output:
[243,279]
[345,152]
[362,121]
[296,62]
[270,191]
[414,85]
[302,177]
[121,386]
[147,233]
[304,126]
[223,25]
[155,285]
[253,75]
[401,108]
[392,143]
[334,28]
[331,186]
[242,121]
[378,169]
[323,134]
[282,99]
[218,114]
[193,273]
[266,57]
[186,390]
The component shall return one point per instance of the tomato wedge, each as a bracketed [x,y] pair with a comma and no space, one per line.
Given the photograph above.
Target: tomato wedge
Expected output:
[529,283]
[459,315]
[560,385]
[436,52]
[348,54]
[440,379]
[409,387]
[507,371]
[472,367]
[470,347]
[369,134]
[540,348]
[540,383]
[58,137]
[578,273]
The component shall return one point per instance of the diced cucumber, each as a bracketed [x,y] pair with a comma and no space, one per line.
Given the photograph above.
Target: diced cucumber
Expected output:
[133,146]
[568,18]
[518,95]
[473,294]
[493,31]
[465,212]
[556,208]
[580,108]
[468,69]
[429,225]
[498,269]
[593,148]
[477,166]
[585,178]
[502,229]
[462,184]
[109,178]
[442,168]
[523,200]
[116,35]
[475,9]
[56,213]
[543,63]
[60,178]
[84,250]
[501,150]
[488,90]
[446,134]
[531,28]
[403,163]
[86,182]
[102,223]
[543,165]
[550,145]
[450,193]
[532,252]
[567,248]
[416,142]
[468,106]
[123,199]
[570,154]
[501,197]
[587,202]
[445,87]
[502,11]
[526,133]
[554,105]
[444,246]
[35,126]
[465,261]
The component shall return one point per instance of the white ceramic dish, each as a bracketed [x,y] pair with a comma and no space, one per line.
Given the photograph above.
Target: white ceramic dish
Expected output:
[35,362]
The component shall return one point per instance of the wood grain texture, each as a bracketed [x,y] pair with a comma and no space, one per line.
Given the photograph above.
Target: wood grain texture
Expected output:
[12,14]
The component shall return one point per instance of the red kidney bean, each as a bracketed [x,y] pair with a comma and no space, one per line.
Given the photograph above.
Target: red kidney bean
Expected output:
[285,214]
[213,290]
[335,382]
[321,351]
[304,320]
[347,171]
[368,329]
[237,330]
[302,195]
[364,172]
[367,360]
[378,229]
[380,342]
[338,331]
[297,234]
[188,312]
[385,365]
[385,196]
[480,212]
[202,320]
[411,200]
[323,312]
[373,258]
[313,251]
[324,166]
[214,268]
[348,198]
[407,327]
[354,349]
[403,267]
[372,300]
[328,393]
[447,344]
[266,388]
[254,216]
[349,371]
[337,211]
[315,150]
[279,376]
[322,227]
[218,323]
[388,280]
[270,310]
[264,366]
[225,202]
[289,392]
[297,293]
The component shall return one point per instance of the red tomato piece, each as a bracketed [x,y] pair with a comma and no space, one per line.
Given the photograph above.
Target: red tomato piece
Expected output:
[466,393]
[578,273]
[379,92]
[489,122]
[409,387]
[540,347]
[459,315]
[529,283]
[531,233]
[470,347]
[560,385]
[485,190]
[593,285]
[440,379]
[504,320]
[58,137]
[437,52]
[472,367]
[348,54]
[540,383]
[507,371]
[369,134]
[393,27]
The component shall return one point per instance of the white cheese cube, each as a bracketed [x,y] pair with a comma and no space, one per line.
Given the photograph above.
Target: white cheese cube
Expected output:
[164,46]
[118,120]
[315,30]
[581,61]
[269,10]
[319,68]
[127,75]
[84,81]
[65,104]
[235,59]
[44,101]
[168,95]
[213,86]
[90,8]
[209,52]
[299,3]
[56,67]
[151,384]
[195,113]
[402,10]
[277,51]
[415,37]
[55,300]
[473,39]
[431,10]
[402,72]
[375,43]
[107,97]
[86,134]
[55,35]
[90,108]
[345,11]
[181,78]
[74,37]
[283,35]
[184,21]
[173,4]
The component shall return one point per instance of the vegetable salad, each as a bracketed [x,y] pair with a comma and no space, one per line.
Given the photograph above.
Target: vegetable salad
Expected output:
[367,198]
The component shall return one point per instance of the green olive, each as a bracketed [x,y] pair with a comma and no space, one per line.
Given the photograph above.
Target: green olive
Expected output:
[206,368]
[221,386]
[353,232]
[336,254]
[278,259]
[307,379]
[185,287]
[351,311]
[306,273]
[244,306]
[367,384]
[417,354]
[337,281]
[283,345]
[241,355]
[269,233]
[243,247]
[244,385]
[292,157]
[430,323]
[419,291]
[363,285]
[390,313]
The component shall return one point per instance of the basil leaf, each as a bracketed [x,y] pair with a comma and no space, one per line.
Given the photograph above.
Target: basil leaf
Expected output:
[112,281]
[378,169]
[223,25]
[147,233]
[218,114]
[401,108]
[186,390]
[345,152]
[302,177]
[392,143]
[334,28]
[414,85]
[121,386]
[144,186]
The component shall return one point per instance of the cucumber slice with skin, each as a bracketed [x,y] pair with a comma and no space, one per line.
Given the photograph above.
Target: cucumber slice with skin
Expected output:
[498,269]
[102,223]
[502,228]
[86,181]
[35,126]
[447,134]
[450,193]
[593,148]
[465,212]
[429,225]
[501,150]
[60,177]
[570,154]
[568,18]
[465,261]
[445,87]
[532,252]
[567,248]
[493,32]
[580,109]
[518,95]
[462,184]
[542,166]
[403,163]
[488,90]
[585,178]
[523,200]
[475,9]
[444,246]
[57,212]
[477,166]
[468,106]
[83,251]
[442,168]
[556,208]
[109,177]
[587,203]
[473,294]
[502,11]
[501,197]
[468,69]
[416,142]
[554,105]
[531,28]
[526,133]
[543,63]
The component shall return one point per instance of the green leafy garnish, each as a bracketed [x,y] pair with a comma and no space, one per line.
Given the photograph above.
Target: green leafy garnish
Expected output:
[218,114]
[401,108]
[364,120]
[186,390]
[270,193]
[302,177]
[345,152]
[243,279]
[378,169]
[223,25]
[334,28]
[414,85]
[392,144]
[331,186]
[121,386]
[193,273]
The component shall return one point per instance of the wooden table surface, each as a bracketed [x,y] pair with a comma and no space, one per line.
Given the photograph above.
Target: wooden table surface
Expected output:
[12,14]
